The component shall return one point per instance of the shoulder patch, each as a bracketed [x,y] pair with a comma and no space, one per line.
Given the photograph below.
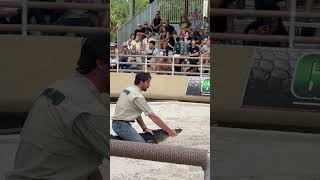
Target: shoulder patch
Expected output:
[126,91]
[56,96]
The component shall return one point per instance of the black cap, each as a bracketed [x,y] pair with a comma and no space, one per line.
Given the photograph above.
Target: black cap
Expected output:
[93,48]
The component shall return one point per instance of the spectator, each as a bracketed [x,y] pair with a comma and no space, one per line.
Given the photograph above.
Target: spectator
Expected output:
[113,56]
[124,51]
[134,60]
[196,36]
[163,37]
[138,44]
[186,41]
[164,67]
[194,51]
[174,43]
[145,28]
[169,27]
[153,51]
[205,48]
[156,23]
[276,28]
[9,16]
[139,31]
[131,41]
[184,23]
[145,41]
[205,23]
[195,20]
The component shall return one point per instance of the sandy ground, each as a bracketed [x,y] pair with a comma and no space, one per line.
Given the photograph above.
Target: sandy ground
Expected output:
[193,119]
[264,155]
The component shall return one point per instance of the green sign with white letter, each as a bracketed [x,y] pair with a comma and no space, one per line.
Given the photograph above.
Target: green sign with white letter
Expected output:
[284,79]
[306,80]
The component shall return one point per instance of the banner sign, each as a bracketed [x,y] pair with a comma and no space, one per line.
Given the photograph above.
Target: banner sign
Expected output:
[284,78]
[198,86]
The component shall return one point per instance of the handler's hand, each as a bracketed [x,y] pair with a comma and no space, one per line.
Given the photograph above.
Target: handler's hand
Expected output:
[148,131]
[172,133]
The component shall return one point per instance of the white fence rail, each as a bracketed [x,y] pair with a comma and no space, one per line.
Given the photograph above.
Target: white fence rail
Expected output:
[204,67]
[25,5]
[146,15]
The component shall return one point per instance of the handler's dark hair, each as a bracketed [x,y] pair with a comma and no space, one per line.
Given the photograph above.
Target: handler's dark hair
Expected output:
[142,76]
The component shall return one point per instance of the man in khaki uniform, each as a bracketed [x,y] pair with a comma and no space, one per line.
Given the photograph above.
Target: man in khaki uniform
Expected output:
[65,134]
[130,105]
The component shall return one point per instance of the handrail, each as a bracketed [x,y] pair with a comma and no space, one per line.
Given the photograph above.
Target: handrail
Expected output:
[26,5]
[55,5]
[260,13]
[263,38]
[170,56]
[122,37]
[172,72]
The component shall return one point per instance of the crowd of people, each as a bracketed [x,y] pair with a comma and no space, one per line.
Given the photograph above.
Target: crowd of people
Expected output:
[158,40]
[261,25]
[69,17]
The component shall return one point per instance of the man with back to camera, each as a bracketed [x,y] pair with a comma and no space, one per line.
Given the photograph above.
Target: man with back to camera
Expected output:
[130,105]
[65,133]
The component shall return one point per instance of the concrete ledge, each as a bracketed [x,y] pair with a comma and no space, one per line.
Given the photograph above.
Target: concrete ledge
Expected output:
[162,87]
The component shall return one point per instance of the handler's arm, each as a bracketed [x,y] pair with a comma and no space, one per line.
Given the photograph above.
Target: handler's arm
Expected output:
[141,123]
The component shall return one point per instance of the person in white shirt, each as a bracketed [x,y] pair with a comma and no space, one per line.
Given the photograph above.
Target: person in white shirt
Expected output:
[65,135]
[131,103]
[145,41]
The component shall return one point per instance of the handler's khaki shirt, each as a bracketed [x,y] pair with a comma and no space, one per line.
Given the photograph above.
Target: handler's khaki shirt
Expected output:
[131,104]
[65,135]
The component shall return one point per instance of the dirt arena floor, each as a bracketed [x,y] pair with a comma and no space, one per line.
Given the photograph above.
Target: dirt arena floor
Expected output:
[193,119]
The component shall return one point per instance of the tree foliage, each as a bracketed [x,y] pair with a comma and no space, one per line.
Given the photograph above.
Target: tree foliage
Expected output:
[120,13]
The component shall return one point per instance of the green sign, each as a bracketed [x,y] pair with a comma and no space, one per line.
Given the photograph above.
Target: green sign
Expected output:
[205,86]
[306,80]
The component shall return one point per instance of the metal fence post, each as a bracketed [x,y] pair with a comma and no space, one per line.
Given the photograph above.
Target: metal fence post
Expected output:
[207,170]
[24,17]
[292,23]
[172,73]
[145,64]
[201,66]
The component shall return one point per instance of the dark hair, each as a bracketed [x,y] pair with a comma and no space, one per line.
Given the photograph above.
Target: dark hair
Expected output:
[142,76]
[152,42]
[93,48]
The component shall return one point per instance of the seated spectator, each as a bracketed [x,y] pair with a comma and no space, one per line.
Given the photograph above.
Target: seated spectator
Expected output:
[169,27]
[113,56]
[205,48]
[145,41]
[174,43]
[186,42]
[131,41]
[195,20]
[153,51]
[194,51]
[184,22]
[10,16]
[163,37]
[163,67]
[205,23]
[139,31]
[145,28]
[276,28]
[156,23]
[138,44]
[196,36]
[134,60]
[78,17]
[124,51]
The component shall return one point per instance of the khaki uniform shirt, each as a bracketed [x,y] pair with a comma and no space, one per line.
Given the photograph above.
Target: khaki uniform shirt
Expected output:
[65,135]
[131,104]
